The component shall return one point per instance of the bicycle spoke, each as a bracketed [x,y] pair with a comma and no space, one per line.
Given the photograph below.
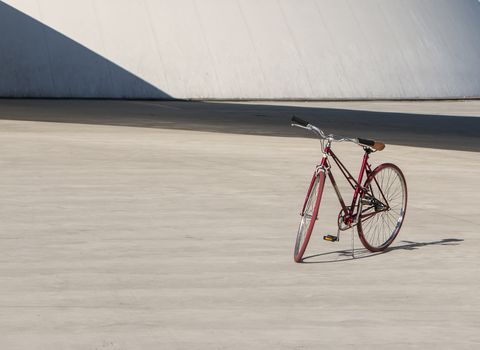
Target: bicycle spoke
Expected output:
[391,219]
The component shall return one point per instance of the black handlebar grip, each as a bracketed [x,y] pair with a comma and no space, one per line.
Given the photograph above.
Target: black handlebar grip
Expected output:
[299,121]
[366,142]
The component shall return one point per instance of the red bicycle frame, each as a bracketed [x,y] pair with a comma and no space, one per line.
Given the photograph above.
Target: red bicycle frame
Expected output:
[349,211]
[371,189]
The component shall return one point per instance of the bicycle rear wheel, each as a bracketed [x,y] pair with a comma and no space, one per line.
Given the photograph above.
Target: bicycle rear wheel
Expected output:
[382,207]
[309,215]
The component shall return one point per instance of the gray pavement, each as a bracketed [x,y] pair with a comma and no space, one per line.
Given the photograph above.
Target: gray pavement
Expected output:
[143,230]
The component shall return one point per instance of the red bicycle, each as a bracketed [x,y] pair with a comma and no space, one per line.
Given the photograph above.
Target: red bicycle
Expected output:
[378,206]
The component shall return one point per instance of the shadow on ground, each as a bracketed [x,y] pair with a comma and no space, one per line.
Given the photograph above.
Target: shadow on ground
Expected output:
[362,253]
[419,130]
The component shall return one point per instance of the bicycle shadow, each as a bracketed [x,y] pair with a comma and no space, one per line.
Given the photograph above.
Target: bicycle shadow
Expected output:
[362,253]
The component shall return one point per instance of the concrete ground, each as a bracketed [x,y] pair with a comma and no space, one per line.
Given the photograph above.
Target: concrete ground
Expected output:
[135,225]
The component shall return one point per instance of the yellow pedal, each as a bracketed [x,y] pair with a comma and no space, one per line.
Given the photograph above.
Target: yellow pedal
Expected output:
[330,238]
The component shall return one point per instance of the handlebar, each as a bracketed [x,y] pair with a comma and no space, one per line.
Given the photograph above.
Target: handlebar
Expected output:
[298,122]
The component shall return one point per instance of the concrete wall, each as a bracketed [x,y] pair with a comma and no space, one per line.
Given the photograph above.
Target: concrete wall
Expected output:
[227,49]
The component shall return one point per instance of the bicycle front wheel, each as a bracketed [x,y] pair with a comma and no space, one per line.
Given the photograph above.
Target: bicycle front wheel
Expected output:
[382,207]
[309,215]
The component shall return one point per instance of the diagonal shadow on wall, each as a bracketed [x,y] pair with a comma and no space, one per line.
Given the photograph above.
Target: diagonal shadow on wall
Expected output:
[38,61]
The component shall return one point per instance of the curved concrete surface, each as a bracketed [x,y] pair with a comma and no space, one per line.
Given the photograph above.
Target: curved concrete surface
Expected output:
[115,237]
[227,49]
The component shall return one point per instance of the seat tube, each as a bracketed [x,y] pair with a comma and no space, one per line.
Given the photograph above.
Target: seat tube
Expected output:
[360,178]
